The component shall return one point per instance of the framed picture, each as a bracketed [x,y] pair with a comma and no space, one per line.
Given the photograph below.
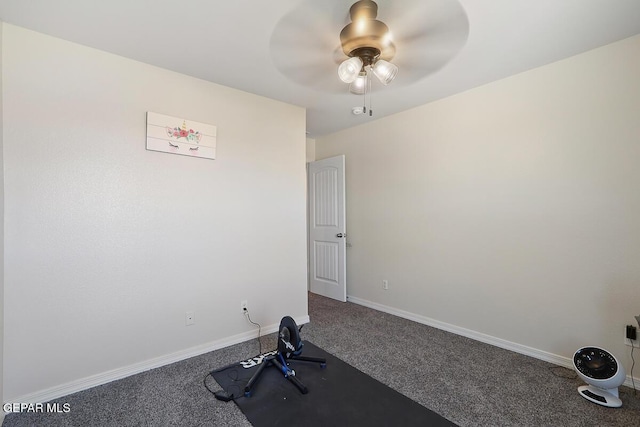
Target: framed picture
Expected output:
[180,136]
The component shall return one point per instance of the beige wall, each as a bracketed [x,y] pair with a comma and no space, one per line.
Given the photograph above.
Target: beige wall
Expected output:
[108,245]
[511,210]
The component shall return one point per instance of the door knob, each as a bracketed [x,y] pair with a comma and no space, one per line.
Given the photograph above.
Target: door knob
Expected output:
[341,235]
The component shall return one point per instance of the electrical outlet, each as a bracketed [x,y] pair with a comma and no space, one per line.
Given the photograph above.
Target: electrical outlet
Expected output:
[631,342]
[189,318]
[244,306]
[385,284]
[631,332]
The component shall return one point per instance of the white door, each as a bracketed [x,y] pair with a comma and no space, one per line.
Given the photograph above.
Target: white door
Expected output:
[327,228]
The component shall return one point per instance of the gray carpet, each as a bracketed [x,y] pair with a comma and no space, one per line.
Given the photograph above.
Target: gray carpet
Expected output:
[470,383]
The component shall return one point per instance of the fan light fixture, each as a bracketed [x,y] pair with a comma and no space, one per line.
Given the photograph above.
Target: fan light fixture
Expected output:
[385,71]
[367,43]
[349,70]
[359,85]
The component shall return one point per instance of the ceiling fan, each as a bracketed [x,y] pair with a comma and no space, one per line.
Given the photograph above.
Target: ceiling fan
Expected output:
[400,41]
[369,45]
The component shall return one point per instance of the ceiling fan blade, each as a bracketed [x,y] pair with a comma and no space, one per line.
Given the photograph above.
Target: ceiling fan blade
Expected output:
[428,34]
[305,44]
[415,16]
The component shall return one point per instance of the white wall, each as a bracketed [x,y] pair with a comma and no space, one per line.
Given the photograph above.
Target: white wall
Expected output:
[511,210]
[1,229]
[311,150]
[107,244]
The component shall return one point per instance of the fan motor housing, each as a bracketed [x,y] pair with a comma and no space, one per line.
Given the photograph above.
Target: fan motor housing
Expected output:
[365,31]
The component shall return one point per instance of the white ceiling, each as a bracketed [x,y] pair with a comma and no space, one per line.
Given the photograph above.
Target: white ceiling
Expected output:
[232,43]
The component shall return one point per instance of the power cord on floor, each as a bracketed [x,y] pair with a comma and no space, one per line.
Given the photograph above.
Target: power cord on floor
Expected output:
[221,394]
[562,372]
[633,363]
[205,383]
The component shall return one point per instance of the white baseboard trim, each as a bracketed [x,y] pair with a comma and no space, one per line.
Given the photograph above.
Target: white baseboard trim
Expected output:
[478,336]
[126,371]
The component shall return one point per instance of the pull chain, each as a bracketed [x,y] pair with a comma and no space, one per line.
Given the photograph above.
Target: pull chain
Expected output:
[364,93]
[367,88]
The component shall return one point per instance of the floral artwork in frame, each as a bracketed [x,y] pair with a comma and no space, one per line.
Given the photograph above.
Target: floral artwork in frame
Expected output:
[180,136]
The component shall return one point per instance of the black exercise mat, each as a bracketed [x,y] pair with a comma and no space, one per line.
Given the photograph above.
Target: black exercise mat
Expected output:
[339,395]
